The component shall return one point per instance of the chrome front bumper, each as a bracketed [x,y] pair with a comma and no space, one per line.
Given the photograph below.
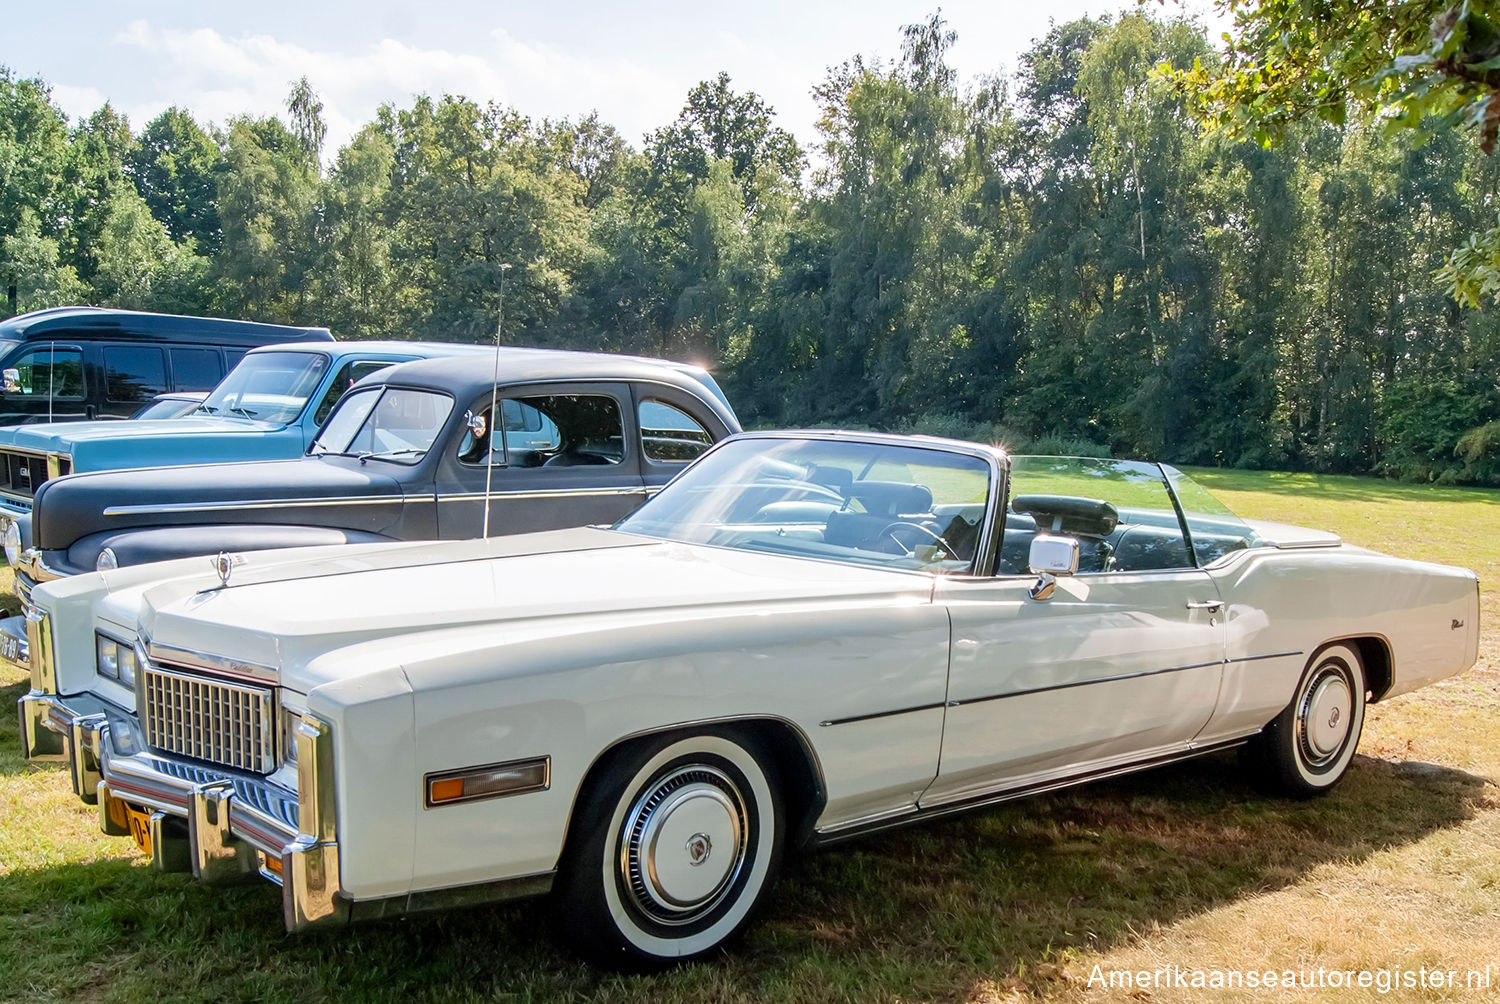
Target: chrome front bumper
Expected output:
[220,825]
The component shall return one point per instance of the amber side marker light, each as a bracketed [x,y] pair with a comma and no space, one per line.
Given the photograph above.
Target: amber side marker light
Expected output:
[495,780]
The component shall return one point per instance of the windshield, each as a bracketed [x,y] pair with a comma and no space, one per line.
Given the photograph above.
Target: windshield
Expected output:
[385,423]
[862,503]
[268,386]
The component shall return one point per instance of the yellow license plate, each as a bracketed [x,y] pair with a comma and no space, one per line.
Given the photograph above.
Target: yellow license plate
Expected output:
[135,820]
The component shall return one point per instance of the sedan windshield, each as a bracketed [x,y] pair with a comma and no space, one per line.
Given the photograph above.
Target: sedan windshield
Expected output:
[865,503]
[385,423]
[268,386]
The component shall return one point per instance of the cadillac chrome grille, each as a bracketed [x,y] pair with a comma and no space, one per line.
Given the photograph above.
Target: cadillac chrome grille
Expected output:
[229,724]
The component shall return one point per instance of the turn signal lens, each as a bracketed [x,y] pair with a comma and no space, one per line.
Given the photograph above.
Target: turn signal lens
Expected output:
[448,789]
[107,560]
[492,781]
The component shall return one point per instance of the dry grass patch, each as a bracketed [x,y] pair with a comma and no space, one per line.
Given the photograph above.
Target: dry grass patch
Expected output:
[1185,866]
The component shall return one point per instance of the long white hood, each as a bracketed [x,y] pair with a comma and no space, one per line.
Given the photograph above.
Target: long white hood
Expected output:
[286,614]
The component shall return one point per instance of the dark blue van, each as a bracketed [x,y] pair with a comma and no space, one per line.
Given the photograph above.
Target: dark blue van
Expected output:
[72,363]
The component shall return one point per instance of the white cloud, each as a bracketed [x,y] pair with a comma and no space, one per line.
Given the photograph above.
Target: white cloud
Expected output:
[77,101]
[219,77]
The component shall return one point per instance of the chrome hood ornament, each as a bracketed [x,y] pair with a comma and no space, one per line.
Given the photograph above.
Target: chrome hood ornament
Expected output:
[223,564]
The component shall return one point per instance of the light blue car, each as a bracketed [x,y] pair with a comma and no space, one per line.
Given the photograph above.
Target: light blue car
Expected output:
[269,407]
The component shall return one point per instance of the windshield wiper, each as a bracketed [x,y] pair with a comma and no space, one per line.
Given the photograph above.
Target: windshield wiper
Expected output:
[383,454]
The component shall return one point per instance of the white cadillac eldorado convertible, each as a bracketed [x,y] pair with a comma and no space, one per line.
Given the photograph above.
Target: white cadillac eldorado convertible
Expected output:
[805,637]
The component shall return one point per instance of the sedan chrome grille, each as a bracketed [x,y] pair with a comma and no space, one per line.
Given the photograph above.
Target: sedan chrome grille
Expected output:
[230,724]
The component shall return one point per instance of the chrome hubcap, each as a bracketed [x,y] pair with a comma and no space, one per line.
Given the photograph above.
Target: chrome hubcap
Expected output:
[684,844]
[1325,717]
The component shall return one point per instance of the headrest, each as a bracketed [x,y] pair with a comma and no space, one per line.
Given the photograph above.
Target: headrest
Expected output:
[1068,514]
[836,478]
[891,498]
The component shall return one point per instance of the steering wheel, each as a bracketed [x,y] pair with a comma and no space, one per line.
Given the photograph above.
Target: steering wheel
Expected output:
[890,531]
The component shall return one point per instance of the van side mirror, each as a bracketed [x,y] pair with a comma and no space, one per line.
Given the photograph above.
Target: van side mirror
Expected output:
[12,378]
[1051,556]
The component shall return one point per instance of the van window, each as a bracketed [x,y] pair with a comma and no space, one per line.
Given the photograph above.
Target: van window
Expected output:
[196,369]
[38,370]
[134,373]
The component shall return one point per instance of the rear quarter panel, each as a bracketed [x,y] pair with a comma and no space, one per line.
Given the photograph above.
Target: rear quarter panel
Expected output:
[1283,605]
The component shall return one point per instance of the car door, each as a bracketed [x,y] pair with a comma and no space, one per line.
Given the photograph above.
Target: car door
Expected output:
[568,456]
[45,383]
[674,430]
[1121,664]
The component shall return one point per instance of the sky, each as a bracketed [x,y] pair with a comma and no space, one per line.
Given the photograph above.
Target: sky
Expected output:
[633,63]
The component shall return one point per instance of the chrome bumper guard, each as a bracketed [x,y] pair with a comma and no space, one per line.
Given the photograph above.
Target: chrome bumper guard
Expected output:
[220,825]
[14,648]
[15,644]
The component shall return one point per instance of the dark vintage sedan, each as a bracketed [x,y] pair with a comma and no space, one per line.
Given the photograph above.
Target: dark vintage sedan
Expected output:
[407,454]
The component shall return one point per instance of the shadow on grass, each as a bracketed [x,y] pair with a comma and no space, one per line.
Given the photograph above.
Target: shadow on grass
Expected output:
[926,913]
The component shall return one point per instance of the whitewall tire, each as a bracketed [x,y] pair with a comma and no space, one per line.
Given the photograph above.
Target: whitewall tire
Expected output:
[676,845]
[1307,748]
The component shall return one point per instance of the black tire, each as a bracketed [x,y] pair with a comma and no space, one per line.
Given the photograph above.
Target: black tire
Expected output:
[675,846]
[1307,748]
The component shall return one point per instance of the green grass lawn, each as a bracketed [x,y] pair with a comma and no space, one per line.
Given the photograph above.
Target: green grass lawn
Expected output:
[1186,866]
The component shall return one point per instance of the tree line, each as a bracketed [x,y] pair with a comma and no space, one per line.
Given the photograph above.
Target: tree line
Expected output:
[1059,258]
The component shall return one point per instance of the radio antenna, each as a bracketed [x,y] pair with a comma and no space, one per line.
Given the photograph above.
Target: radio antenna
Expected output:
[497,427]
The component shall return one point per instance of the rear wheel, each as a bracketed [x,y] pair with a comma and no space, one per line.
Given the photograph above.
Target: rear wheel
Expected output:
[1307,748]
[681,839]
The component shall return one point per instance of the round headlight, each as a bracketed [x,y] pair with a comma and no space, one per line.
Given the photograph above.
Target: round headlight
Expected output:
[12,542]
[107,560]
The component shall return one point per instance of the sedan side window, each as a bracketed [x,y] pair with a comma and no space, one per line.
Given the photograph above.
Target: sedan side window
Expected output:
[557,430]
[1119,511]
[670,435]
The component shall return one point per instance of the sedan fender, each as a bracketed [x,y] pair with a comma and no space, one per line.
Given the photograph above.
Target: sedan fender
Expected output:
[165,543]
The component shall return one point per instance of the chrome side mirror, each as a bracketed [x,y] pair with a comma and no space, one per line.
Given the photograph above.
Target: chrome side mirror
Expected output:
[1051,557]
[12,379]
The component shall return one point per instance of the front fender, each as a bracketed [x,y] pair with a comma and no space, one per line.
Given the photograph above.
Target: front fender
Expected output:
[164,543]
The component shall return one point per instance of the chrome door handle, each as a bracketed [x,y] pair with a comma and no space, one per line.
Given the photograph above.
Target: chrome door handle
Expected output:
[1212,606]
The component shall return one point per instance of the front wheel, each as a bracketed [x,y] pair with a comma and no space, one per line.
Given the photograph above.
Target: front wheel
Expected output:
[680,841]
[1307,748]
